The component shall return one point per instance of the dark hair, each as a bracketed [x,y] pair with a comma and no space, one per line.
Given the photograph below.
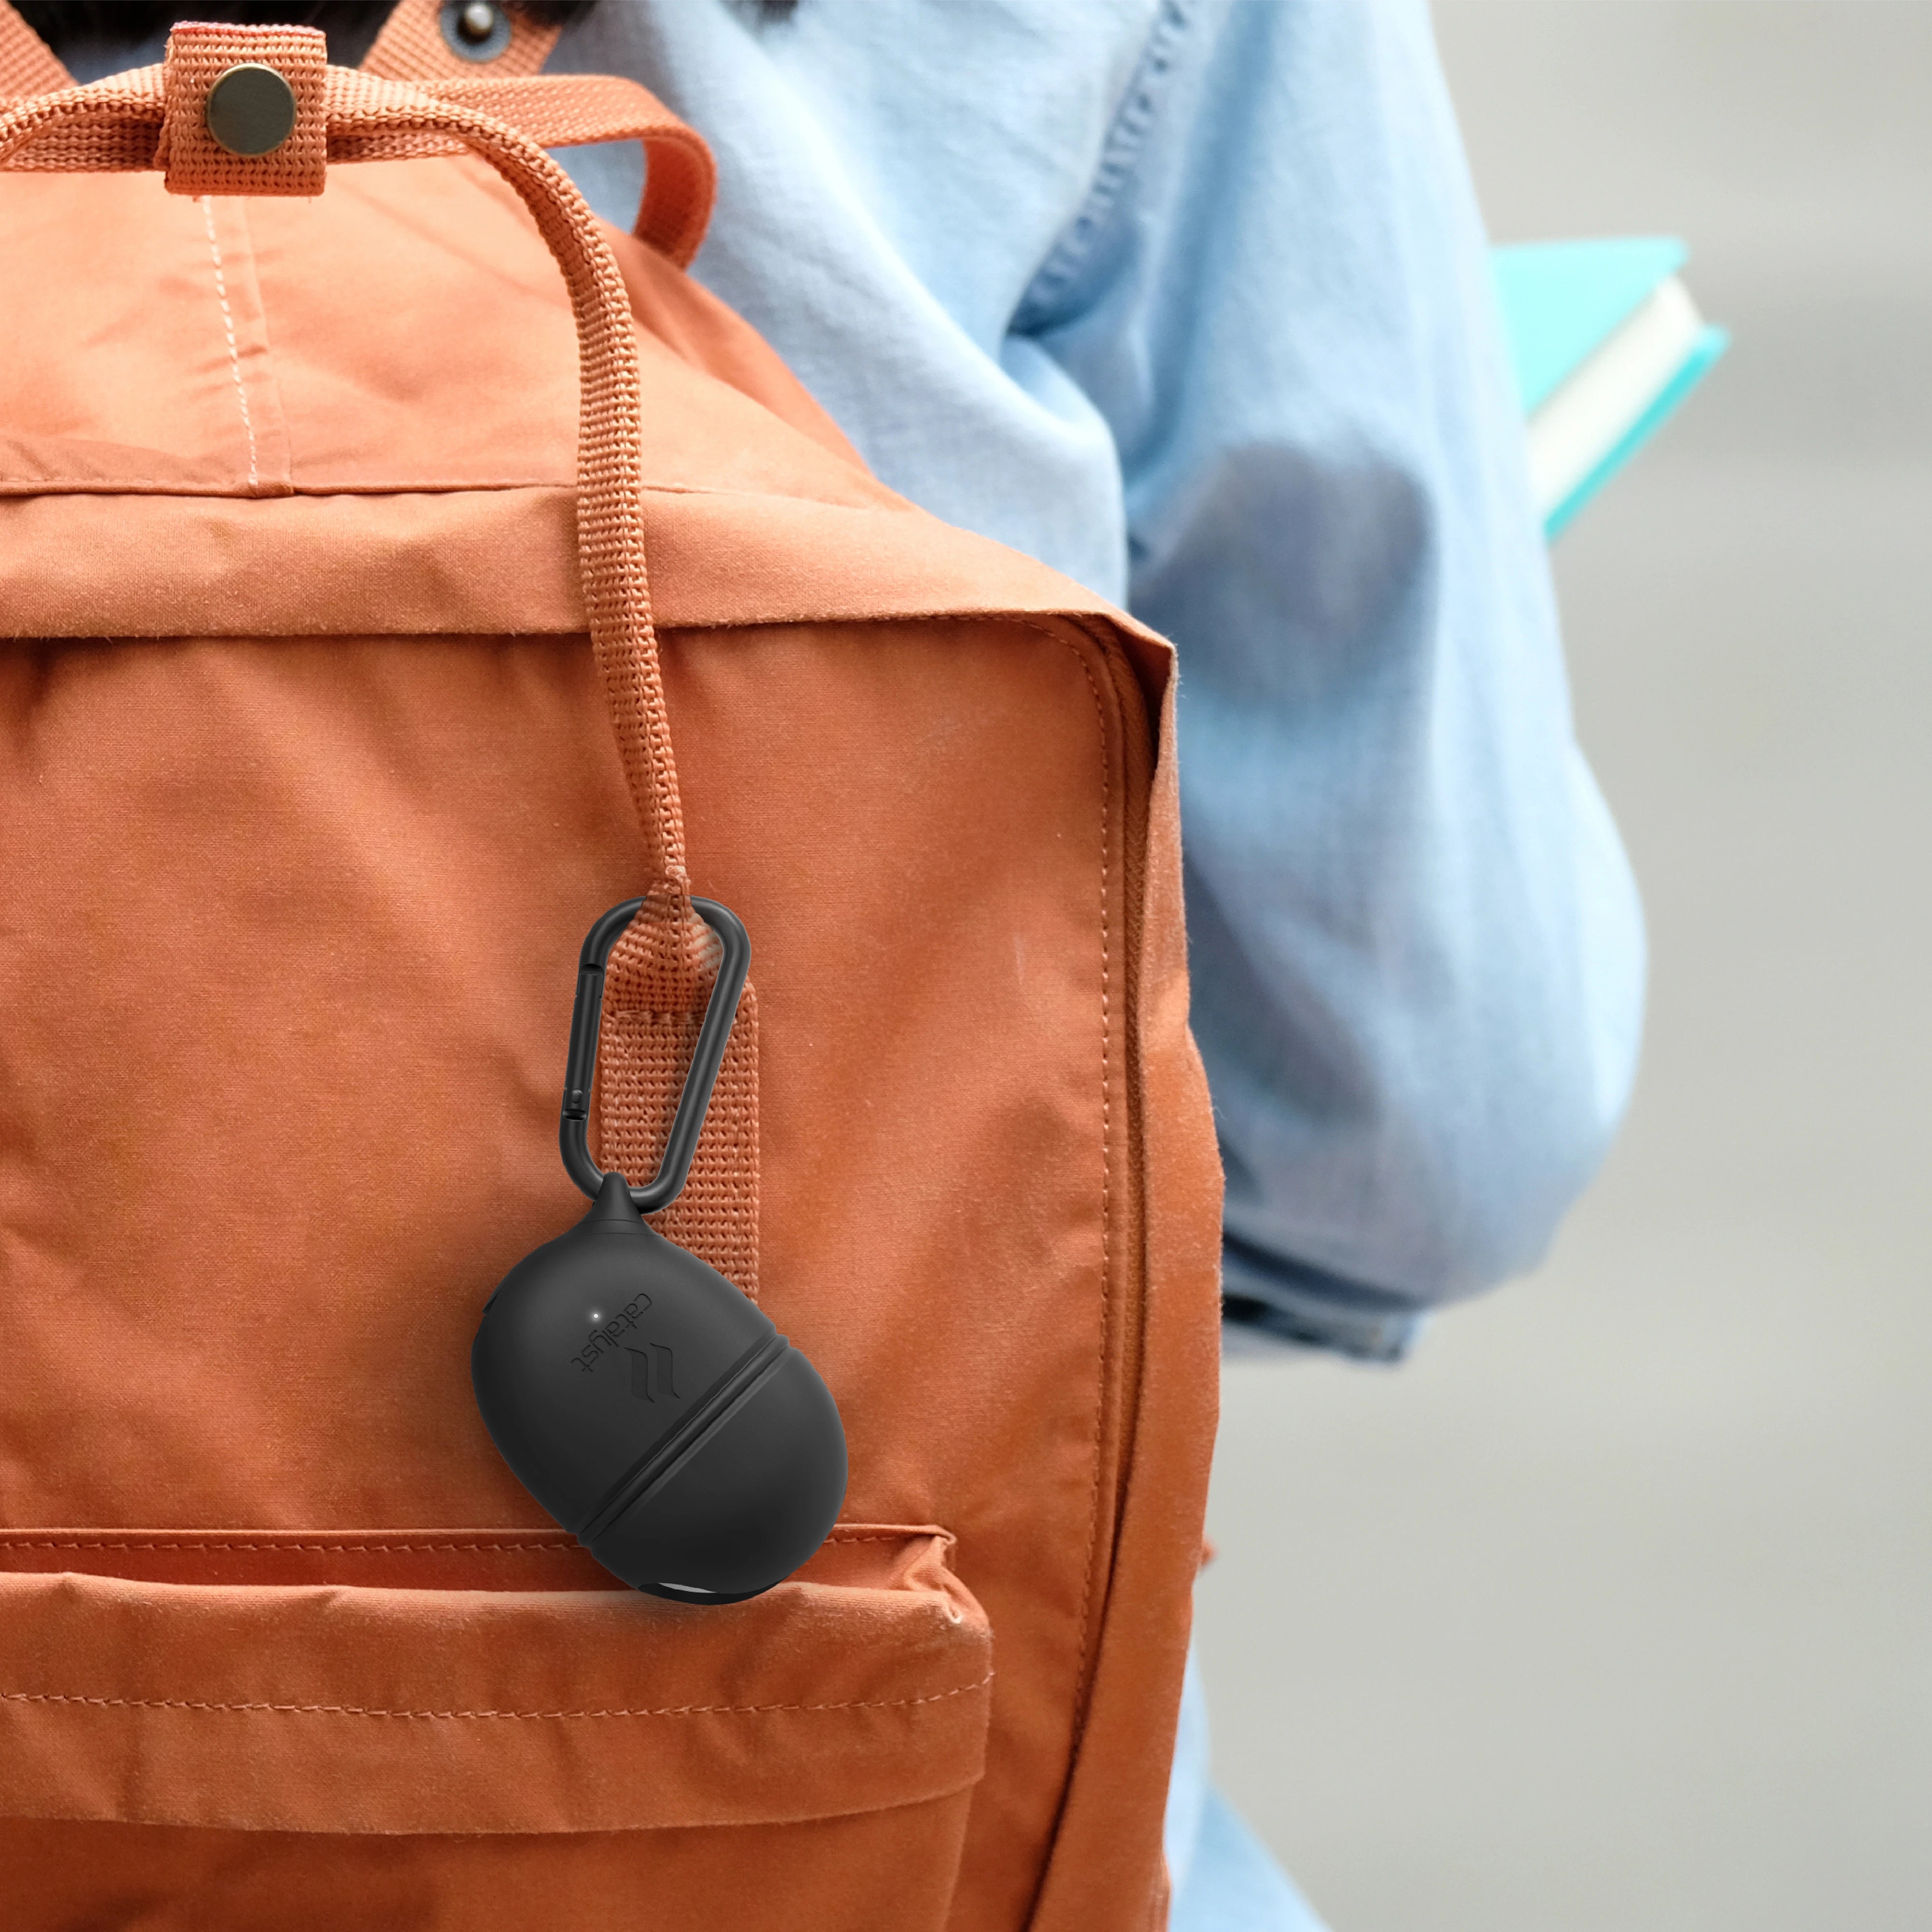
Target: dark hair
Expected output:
[352,25]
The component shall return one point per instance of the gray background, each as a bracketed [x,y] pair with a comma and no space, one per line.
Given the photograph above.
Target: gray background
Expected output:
[1614,1608]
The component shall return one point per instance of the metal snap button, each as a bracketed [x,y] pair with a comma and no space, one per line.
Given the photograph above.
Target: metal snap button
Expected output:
[478,30]
[250,109]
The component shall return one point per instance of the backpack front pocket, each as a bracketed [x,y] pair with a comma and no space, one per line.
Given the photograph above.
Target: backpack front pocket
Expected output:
[348,1748]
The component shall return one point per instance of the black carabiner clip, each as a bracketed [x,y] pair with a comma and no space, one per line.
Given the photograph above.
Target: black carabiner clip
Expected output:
[574,1132]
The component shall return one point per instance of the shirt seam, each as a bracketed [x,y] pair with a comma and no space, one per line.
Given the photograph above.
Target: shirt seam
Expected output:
[1120,157]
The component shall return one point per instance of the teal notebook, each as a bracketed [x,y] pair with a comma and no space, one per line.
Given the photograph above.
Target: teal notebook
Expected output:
[1605,343]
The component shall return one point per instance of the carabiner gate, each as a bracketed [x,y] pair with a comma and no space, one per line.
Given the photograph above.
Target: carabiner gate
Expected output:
[681,1144]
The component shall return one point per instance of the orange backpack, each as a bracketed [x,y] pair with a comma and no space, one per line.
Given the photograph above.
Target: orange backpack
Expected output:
[310,788]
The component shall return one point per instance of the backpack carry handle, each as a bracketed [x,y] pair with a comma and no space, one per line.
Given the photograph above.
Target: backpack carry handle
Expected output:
[157,117]
[584,110]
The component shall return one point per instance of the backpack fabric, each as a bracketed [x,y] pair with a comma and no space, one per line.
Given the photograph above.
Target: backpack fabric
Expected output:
[380,606]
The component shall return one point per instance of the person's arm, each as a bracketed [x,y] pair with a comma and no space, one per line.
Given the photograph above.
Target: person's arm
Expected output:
[1417,949]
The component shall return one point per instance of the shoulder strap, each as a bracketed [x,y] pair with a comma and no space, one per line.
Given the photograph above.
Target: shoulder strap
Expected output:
[28,65]
[425,39]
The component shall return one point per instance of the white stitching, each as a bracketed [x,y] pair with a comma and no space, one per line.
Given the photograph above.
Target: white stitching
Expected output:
[228,326]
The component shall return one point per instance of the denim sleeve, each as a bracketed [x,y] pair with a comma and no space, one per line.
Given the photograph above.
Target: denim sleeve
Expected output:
[1416,950]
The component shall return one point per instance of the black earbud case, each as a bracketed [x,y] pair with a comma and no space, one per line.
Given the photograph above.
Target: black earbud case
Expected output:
[656,1413]
[642,1400]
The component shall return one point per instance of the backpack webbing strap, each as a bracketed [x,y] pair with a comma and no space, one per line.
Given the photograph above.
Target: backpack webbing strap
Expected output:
[565,110]
[193,162]
[643,1050]
[28,65]
[661,970]
[411,46]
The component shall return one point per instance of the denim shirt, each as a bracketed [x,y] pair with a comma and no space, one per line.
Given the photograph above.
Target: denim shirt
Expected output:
[1190,298]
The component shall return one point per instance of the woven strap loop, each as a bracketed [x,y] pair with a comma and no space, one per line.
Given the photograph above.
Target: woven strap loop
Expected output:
[192,160]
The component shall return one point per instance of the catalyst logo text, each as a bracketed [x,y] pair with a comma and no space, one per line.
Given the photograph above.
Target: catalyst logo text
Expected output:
[604,1341]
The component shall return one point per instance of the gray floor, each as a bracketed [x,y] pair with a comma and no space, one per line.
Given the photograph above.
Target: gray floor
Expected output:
[1614,1609]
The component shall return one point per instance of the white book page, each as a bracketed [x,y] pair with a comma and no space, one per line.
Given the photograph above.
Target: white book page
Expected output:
[1595,407]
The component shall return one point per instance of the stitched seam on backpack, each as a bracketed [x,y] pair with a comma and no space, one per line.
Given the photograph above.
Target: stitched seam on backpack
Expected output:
[538,1717]
[1080,657]
[894,1536]
[540,1542]
[431,486]
[228,328]
[417,486]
